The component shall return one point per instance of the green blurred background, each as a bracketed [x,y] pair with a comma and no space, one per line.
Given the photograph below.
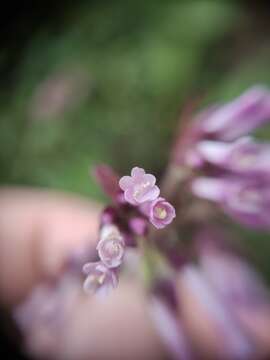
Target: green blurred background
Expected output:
[89,81]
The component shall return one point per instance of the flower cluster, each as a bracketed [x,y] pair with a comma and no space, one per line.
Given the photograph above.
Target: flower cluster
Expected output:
[234,168]
[138,196]
[102,275]
[140,190]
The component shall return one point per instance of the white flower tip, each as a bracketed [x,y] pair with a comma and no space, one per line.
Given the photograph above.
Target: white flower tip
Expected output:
[137,171]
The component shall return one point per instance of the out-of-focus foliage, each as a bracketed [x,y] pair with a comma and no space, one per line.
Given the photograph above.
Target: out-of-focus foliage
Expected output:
[107,84]
[124,70]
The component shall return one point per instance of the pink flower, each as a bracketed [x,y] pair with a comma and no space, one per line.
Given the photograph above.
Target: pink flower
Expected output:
[246,200]
[243,156]
[219,125]
[232,340]
[111,247]
[139,187]
[240,116]
[100,279]
[161,213]
[138,225]
[170,330]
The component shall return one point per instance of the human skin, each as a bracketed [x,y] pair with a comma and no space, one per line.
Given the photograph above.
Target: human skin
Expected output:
[38,230]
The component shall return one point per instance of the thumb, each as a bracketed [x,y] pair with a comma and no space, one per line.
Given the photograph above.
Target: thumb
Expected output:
[38,229]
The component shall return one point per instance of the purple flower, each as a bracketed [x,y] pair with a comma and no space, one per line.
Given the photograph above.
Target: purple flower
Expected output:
[231,339]
[100,279]
[45,311]
[111,246]
[235,282]
[139,187]
[234,279]
[244,156]
[161,212]
[170,329]
[246,200]
[138,226]
[239,117]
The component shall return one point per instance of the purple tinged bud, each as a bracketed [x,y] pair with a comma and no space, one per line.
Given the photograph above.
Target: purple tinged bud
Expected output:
[100,280]
[161,213]
[108,216]
[111,247]
[139,187]
[209,188]
[108,180]
[138,226]
[129,239]
[241,116]
[121,199]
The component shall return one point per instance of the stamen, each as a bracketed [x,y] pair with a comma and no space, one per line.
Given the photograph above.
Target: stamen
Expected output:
[101,278]
[161,213]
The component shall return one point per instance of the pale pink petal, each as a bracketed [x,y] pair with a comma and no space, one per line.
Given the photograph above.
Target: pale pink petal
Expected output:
[150,195]
[129,196]
[171,215]
[208,188]
[151,179]
[125,182]
[137,172]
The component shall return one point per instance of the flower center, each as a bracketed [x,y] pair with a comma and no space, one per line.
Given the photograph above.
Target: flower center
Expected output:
[160,213]
[140,189]
[113,248]
[101,279]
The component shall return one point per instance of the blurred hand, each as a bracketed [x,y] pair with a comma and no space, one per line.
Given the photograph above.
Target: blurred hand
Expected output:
[38,230]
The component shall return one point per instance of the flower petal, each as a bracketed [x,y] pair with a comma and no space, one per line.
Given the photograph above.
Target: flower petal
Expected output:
[88,267]
[125,182]
[208,188]
[137,172]
[150,195]
[150,178]
[130,197]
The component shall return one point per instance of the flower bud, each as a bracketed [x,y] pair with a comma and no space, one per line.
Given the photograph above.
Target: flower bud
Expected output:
[139,187]
[111,246]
